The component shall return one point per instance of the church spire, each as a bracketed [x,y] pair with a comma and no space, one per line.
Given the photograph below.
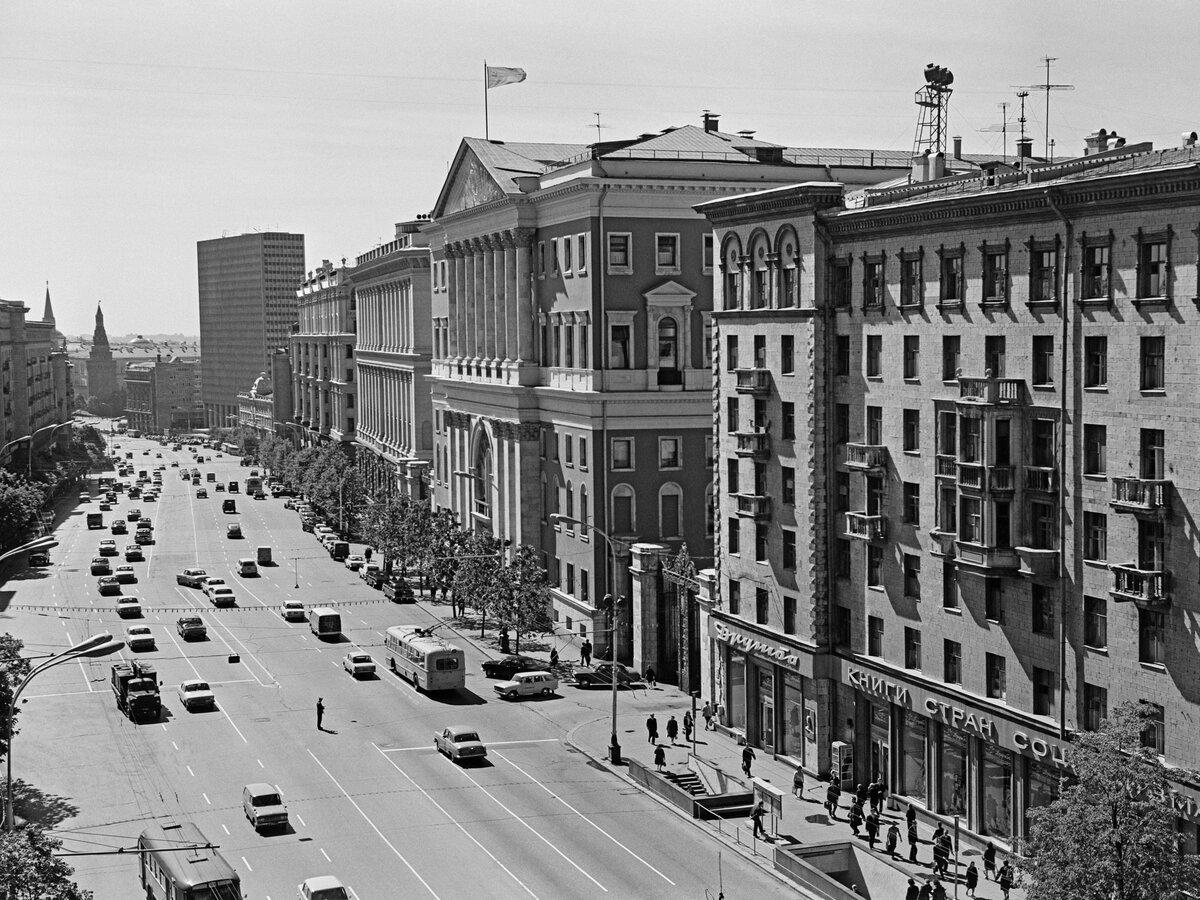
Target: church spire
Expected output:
[100,337]
[48,312]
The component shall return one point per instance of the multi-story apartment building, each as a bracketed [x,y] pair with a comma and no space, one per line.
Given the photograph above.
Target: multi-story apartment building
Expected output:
[163,395]
[36,391]
[266,410]
[322,353]
[572,295]
[248,304]
[956,426]
[393,352]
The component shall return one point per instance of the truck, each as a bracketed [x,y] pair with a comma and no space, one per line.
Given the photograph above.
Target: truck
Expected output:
[254,485]
[95,520]
[264,556]
[135,687]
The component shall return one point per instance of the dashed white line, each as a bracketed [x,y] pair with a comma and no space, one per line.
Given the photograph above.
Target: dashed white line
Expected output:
[324,854]
[302,822]
[249,868]
[206,800]
[190,772]
[226,827]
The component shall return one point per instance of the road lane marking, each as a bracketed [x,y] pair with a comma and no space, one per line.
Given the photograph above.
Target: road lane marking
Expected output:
[220,707]
[301,821]
[190,772]
[535,832]
[226,827]
[206,800]
[249,868]
[585,818]
[324,854]
[374,827]
[175,745]
[455,822]
[260,765]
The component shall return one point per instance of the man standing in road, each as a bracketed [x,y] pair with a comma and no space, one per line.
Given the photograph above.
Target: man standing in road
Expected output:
[320,713]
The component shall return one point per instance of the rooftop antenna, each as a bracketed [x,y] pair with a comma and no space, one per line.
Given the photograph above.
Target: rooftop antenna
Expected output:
[1048,87]
[598,127]
[1002,128]
[933,100]
[1021,95]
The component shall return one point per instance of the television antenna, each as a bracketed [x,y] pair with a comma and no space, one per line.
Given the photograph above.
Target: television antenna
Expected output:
[598,126]
[1002,128]
[1047,87]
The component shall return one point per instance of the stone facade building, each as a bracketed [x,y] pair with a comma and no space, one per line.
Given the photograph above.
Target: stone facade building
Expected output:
[36,390]
[322,352]
[163,395]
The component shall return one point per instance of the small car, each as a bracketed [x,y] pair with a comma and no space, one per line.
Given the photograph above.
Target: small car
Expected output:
[358,664]
[527,684]
[201,494]
[602,676]
[144,537]
[39,558]
[119,527]
[324,887]
[145,522]
[105,506]
[139,637]
[129,608]
[222,596]
[354,562]
[133,553]
[263,806]
[460,743]
[220,488]
[101,566]
[108,584]
[211,582]
[150,496]
[508,666]
[85,498]
[175,464]
[191,577]
[125,575]
[293,611]
[191,627]
[195,693]
[233,530]
[133,515]
[259,495]
[108,548]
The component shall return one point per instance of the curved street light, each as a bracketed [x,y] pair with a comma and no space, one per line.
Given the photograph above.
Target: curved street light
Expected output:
[20,440]
[101,644]
[33,437]
[43,543]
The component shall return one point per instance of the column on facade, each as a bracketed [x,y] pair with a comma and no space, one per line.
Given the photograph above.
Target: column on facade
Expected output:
[499,296]
[522,310]
[488,298]
[450,350]
[473,279]
[462,305]
[508,294]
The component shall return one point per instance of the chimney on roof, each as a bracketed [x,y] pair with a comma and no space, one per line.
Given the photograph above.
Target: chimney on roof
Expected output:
[1024,148]
[1096,142]
[937,166]
[1189,139]
[710,121]
[958,146]
[920,168]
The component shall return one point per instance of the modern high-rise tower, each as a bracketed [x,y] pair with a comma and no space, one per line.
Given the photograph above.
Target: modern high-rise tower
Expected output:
[247,306]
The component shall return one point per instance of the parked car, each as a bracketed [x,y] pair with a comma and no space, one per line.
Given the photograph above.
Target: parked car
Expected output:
[602,676]
[108,585]
[354,562]
[191,578]
[39,558]
[508,666]
[125,575]
[398,590]
[263,806]
[101,566]
[195,693]
[139,637]
[358,664]
[527,684]
[191,627]
[460,743]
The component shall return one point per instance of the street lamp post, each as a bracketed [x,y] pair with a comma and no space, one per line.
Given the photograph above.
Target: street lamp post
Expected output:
[33,437]
[98,645]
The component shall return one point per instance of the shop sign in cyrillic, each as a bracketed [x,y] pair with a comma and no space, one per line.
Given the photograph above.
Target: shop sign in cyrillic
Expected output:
[757,646]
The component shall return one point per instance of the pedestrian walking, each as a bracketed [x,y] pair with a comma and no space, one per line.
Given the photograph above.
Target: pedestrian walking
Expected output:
[893,838]
[913,891]
[1005,879]
[910,816]
[798,782]
[757,815]
[947,850]
[707,713]
[672,730]
[651,679]
[860,794]
[875,793]
[585,653]
[872,828]
[747,759]
[912,841]
[688,724]
[367,554]
[553,657]
[939,858]
[652,729]
[660,756]
[856,817]
[833,796]
[989,862]
[939,891]
[972,879]
[926,892]
[320,713]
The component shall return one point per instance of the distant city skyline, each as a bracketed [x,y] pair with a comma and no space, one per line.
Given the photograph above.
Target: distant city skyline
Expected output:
[136,134]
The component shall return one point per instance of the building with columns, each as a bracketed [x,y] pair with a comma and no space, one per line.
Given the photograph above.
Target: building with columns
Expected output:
[324,390]
[393,352]
[572,297]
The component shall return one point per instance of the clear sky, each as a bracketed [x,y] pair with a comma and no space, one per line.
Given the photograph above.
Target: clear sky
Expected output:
[131,129]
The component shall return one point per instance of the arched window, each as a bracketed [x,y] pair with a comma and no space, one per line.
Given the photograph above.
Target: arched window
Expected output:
[556,497]
[670,502]
[731,267]
[583,507]
[668,343]
[483,476]
[570,502]
[547,501]
[789,269]
[760,286]
[624,510]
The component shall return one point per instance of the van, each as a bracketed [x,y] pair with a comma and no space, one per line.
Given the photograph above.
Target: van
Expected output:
[339,550]
[248,568]
[233,487]
[325,622]
[228,505]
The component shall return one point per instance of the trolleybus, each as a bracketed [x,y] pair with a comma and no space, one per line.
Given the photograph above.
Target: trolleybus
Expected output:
[177,862]
[430,662]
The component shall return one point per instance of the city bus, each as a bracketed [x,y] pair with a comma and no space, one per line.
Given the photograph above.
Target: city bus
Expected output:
[428,661]
[177,862]
[325,622]
[254,485]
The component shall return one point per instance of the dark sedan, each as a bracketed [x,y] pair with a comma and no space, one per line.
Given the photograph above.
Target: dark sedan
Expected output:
[602,676]
[508,666]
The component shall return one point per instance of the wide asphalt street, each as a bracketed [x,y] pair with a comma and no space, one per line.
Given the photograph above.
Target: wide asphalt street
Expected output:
[369,799]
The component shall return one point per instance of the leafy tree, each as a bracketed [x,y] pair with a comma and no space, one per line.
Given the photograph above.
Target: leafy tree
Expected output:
[446,541]
[522,601]
[20,501]
[383,529]
[30,870]
[1111,834]
[478,576]
[13,667]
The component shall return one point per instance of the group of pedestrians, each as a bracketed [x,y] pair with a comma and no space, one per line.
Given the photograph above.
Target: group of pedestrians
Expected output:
[672,731]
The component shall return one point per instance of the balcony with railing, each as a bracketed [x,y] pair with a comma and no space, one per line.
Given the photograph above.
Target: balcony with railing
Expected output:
[866,527]
[991,391]
[944,543]
[946,466]
[1147,496]
[1037,562]
[1148,588]
[753,444]
[979,477]
[1041,478]
[754,506]
[754,381]
[993,559]
[866,457]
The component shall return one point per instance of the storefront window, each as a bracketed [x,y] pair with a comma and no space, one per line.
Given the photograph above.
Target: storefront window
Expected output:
[996,775]
[793,716]
[953,801]
[913,771]
[736,701]
[1042,787]
[766,709]
[881,720]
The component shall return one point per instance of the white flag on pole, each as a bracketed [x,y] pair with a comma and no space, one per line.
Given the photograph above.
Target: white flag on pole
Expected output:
[498,76]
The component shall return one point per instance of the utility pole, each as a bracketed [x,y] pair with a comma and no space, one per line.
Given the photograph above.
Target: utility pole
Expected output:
[1047,87]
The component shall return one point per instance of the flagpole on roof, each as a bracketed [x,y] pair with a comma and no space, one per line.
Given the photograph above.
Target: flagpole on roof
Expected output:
[486,134]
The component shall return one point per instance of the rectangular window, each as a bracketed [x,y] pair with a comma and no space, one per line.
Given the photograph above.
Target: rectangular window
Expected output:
[997,686]
[841,558]
[912,648]
[1095,706]
[731,353]
[706,253]
[618,347]
[789,615]
[1043,691]
[874,358]
[789,549]
[912,576]
[874,425]
[1001,524]
[787,478]
[1095,449]
[995,276]
[952,662]
[1154,730]
[993,600]
[1042,441]
[970,519]
[951,346]
[568,450]
[842,496]
[1153,453]
[731,475]
[949,586]
[668,453]
[839,284]
[1095,622]
[731,414]
[952,279]
[1152,269]
[842,355]
[1041,610]
[841,422]
[554,257]
[581,253]
[1095,536]
[1043,276]
[760,542]
[787,364]
[571,579]
[1043,526]
[874,566]
[567,255]
[541,258]
[761,606]
[1096,267]
[760,351]
[788,425]
[735,534]
[583,456]
[874,636]
[735,597]
[910,282]
[912,503]
[620,254]
[1043,359]
[1095,361]
[995,355]
[912,430]
[1153,363]
[569,346]
[842,627]
[873,285]
[622,453]
[912,356]
[583,346]
[1152,637]
[666,254]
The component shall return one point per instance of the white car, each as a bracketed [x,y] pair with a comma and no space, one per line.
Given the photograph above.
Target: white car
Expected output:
[222,596]
[191,578]
[293,611]
[358,664]
[460,743]
[355,562]
[527,684]
[211,583]
[139,637]
[324,887]
[196,693]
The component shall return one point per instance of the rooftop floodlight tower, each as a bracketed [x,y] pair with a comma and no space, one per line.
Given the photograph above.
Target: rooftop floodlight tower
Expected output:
[933,101]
